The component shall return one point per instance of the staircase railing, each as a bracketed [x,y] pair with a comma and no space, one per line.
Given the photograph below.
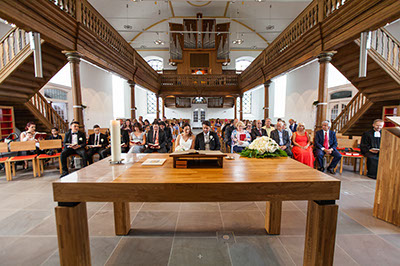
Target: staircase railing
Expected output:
[352,108]
[41,104]
[387,46]
[11,44]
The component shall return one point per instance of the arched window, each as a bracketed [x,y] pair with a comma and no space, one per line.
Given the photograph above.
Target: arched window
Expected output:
[152,103]
[341,95]
[55,94]
[247,99]
[199,100]
[242,63]
[155,62]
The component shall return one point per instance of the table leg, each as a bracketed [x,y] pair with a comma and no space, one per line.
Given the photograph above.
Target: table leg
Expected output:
[319,246]
[73,233]
[122,218]
[273,217]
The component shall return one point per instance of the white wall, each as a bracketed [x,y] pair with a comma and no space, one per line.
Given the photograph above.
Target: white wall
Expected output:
[394,29]
[4,28]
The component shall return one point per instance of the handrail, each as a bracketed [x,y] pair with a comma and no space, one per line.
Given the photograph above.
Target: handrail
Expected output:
[199,80]
[314,13]
[41,104]
[358,101]
[11,44]
[86,14]
[387,46]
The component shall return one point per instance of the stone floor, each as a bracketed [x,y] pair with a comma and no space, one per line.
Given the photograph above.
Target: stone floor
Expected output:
[191,234]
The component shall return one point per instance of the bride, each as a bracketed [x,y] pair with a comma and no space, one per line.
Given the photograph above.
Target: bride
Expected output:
[185,141]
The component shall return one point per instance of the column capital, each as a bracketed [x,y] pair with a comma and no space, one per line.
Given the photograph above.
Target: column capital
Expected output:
[131,83]
[267,83]
[326,56]
[73,56]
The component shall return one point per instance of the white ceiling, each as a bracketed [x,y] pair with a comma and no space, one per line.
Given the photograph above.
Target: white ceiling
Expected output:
[256,15]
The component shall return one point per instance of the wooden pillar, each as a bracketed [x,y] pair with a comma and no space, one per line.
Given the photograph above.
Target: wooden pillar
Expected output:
[241,108]
[133,107]
[320,239]
[235,107]
[273,216]
[122,218]
[74,59]
[73,233]
[158,107]
[163,107]
[324,58]
[266,98]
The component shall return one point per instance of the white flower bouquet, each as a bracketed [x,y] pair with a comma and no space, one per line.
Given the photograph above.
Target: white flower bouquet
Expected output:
[263,147]
[180,148]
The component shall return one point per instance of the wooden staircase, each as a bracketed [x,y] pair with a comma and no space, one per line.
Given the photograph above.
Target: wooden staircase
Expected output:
[20,88]
[380,88]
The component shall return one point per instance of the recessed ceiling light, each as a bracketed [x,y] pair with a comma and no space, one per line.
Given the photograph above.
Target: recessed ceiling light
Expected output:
[270,27]
[159,42]
[128,27]
[238,41]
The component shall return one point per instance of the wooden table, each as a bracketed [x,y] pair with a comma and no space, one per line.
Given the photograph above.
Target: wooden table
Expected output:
[183,160]
[242,179]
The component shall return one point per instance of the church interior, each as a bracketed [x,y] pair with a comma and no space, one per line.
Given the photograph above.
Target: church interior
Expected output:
[255,132]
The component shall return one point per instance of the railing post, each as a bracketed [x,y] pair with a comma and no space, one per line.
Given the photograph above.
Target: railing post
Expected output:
[78,10]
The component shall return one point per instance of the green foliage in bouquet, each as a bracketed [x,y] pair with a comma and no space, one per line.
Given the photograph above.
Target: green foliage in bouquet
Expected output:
[250,153]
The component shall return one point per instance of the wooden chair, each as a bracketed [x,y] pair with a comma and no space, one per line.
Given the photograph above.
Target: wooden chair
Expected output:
[349,150]
[7,167]
[23,146]
[48,145]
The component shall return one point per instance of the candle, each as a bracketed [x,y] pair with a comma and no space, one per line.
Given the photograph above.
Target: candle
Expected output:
[115,141]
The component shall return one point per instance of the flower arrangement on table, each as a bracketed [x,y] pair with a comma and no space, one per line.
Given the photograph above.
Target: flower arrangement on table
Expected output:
[180,148]
[263,147]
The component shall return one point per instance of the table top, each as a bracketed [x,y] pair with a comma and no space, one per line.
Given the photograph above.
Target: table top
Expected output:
[275,178]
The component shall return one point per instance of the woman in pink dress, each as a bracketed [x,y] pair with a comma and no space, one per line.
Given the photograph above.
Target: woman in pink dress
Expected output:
[302,151]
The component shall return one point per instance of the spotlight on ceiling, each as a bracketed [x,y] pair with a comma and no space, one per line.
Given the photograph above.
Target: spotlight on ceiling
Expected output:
[128,27]
[172,63]
[238,41]
[159,42]
[270,27]
[259,1]
[226,63]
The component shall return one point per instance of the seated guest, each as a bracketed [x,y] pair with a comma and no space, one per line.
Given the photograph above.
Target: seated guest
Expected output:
[181,122]
[240,138]
[268,127]
[258,131]
[168,135]
[138,139]
[185,140]
[124,145]
[249,127]
[288,130]
[140,121]
[207,140]
[282,138]
[98,141]
[54,135]
[228,133]
[156,140]
[302,150]
[217,123]
[74,143]
[127,126]
[326,143]
[292,125]
[370,145]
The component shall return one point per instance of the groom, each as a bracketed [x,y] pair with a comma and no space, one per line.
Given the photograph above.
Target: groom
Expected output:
[207,140]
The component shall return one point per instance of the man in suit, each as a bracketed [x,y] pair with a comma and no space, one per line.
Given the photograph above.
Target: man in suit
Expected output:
[258,131]
[168,135]
[99,141]
[228,133]
[124,145]
[156,140]
[370,145]
[292,125]
[326,143]
[74,143]
[207,140]
[281,137]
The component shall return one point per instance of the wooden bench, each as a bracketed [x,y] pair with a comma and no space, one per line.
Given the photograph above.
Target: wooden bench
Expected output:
[4,160]
[49,145]
[23,146]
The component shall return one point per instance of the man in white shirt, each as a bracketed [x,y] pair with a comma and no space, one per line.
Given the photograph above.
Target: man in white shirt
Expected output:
[268,128]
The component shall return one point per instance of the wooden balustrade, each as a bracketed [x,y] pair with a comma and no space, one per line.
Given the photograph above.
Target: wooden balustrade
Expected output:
[352,108]
[41,104]
[331,5]
[387,46]
[11,44]
[68,6]
[199,80]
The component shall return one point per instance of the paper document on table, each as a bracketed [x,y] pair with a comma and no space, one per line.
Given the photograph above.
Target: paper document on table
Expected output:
[155,162]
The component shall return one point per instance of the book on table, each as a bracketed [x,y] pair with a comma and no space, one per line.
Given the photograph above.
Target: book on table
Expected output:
[154,162]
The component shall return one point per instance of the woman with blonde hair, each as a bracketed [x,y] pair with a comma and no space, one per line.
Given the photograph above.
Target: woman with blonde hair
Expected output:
[302,150]
[240,137]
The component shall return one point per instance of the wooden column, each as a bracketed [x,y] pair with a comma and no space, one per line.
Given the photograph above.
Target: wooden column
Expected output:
[324,58]
[73,233]
[241,108]
[163,107]
[235,108]
[273,216]
[157,107]
[133,107]
[122,218]
[266,98]
[74,59]
[319,245]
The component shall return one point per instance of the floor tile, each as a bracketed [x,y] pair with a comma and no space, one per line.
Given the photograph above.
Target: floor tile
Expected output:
[293,223]
[199,251]
[393,239]
[346,225]
[244,223]
[22,221]
[45,228]
[238,206]
[200,206]
[142,251]
[154,223]
[259,251]
[102,224]
[199,224]
[164,206]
